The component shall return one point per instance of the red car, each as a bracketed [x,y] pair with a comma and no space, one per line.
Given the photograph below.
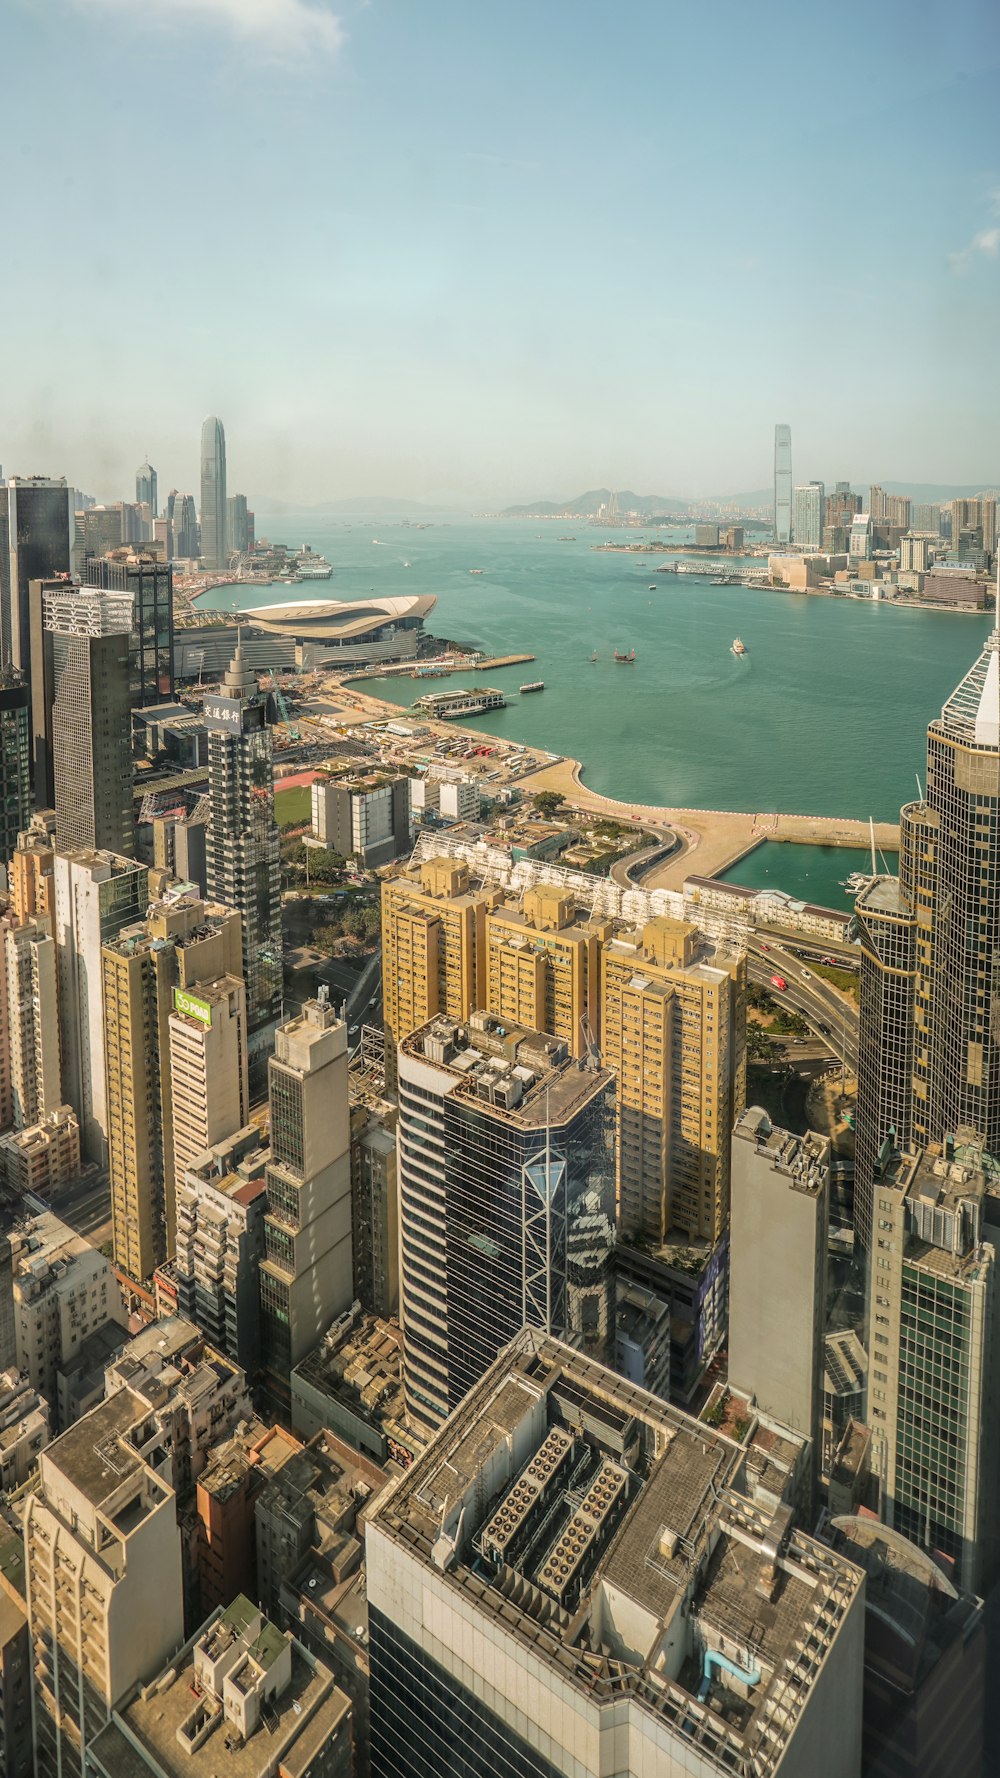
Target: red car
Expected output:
[779,982]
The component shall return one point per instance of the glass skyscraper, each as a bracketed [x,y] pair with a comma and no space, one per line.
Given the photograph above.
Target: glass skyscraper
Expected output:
[243,858]
[145,487]
[782,484]
[930,976]
[214,550]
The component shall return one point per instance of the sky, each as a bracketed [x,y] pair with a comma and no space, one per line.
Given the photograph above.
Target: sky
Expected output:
[488,250]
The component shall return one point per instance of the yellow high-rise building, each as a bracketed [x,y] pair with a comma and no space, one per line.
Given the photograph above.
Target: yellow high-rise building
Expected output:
[180,944]
[433,948]
[672,1029]
[543,967]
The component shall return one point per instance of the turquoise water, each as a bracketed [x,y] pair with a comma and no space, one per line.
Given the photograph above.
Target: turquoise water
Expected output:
[825,715]
[810,873]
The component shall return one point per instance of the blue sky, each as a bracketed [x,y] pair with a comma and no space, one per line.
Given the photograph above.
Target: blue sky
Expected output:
[486,249]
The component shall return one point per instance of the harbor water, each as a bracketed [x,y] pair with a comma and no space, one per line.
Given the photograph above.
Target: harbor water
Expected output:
[825,714]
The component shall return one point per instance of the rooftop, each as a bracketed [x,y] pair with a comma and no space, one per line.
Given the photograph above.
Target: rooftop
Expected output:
[972,713]
[143,1733]
[92,1455]
[612,1542]
[884,895]
[521,1076]
[802,1160]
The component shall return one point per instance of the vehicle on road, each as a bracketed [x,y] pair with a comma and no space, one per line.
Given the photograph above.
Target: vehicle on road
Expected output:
[779,982]
[763,947]
[807,975]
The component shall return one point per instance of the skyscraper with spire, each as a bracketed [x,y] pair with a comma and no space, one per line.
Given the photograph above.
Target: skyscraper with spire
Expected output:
[929,1061]
[243,861]
[214,551]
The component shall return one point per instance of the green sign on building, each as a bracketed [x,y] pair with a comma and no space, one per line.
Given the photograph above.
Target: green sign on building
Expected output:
[192,1007]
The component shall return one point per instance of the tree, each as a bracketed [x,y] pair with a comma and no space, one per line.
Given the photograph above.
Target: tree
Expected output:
[548,801]
[759,1045]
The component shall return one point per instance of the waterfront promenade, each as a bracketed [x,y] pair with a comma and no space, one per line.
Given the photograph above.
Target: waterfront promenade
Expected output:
[711,839]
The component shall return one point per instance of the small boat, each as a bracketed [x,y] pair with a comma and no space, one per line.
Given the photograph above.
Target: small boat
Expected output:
[536,685]
[594,655]
[477,570]
[739,647]
[652,586]
[625,660]
[855,882]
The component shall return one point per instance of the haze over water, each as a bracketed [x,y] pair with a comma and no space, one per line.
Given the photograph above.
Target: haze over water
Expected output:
[826,714]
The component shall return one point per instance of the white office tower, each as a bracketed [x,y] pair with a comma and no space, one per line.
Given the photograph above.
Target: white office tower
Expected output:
[569,1583]
[105,1597]
[97,894]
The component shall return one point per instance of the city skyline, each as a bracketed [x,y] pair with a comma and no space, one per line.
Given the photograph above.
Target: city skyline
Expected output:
[493,262]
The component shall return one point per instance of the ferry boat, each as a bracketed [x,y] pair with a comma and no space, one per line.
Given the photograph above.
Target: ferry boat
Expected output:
[739,647]
[477,570]
[310,565]
[625,660]
[446,704]
[652,586]
[536,685]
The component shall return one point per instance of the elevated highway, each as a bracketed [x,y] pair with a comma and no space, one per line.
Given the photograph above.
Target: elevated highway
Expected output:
[827,1012]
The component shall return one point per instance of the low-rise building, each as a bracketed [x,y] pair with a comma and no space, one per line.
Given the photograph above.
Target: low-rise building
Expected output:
[362,815]
[352,1384]
[186,1395]
[63,1289]
[24,1430]
[242,1698]
[43,1158]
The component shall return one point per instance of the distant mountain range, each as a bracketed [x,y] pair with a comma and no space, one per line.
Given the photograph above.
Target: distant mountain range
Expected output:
[584,506]
[362,506]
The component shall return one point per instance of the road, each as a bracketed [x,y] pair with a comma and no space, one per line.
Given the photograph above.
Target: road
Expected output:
[826,1011]
[88,1210]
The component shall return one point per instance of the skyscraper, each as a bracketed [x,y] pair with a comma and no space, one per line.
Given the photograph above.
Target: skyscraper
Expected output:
[929,1043]
[96,895]
[150,583]
[243,860]
[182,517]
[777,1270]
[500,1134]
[237,524]
[214,550]
[104,1572]
[931,1379]
[145,488]
[433,947]
[807,516]
[85,644]
[782,484]
[307,1276]
[15,761]
[673,1025]
[36,530]
[179,944]
[571,1579]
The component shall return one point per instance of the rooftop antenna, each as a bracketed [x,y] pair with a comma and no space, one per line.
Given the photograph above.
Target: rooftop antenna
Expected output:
[871,829]
[996,605]
[920,788]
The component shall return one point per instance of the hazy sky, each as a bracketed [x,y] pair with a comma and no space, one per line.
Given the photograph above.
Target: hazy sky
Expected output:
[490,249]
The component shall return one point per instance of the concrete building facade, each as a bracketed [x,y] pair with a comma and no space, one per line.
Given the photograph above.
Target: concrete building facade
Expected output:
[777,1270]
[306,1278]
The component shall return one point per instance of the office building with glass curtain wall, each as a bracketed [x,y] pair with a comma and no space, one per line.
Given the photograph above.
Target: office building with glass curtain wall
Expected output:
[500,1136]
[782,484]
[929,1034]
